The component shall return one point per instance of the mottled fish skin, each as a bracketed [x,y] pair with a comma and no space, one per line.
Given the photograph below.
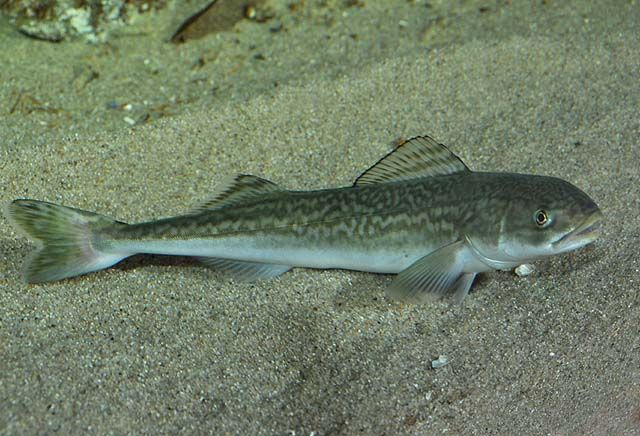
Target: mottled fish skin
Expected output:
[419,212]
[401,219]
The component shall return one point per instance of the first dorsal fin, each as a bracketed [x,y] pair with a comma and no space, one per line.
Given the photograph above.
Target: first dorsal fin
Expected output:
[417,157]
[241,188]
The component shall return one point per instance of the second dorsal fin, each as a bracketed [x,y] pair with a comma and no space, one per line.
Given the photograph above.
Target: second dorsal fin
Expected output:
[417,157]
[241,188]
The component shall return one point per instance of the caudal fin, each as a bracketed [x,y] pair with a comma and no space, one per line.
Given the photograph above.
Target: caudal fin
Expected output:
[69,242]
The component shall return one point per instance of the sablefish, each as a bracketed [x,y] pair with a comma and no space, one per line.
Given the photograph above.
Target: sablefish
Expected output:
[418,212]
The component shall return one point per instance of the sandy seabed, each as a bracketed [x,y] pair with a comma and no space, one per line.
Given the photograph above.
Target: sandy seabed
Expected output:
[162,345]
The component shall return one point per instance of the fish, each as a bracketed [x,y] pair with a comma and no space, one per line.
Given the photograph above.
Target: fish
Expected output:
[419,212]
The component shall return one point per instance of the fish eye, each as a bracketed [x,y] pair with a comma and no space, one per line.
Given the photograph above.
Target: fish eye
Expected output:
[541,218]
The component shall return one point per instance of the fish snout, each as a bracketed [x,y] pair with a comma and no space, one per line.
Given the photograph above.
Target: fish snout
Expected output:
[584,233]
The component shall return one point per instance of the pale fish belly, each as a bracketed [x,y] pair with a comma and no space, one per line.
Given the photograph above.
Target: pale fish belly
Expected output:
[369,259]
[382,257]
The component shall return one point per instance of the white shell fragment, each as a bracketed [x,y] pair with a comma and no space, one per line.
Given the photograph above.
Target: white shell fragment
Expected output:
[441,361]
[524,270]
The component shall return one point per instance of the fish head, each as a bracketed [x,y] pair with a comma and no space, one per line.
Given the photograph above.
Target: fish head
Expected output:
[546,216]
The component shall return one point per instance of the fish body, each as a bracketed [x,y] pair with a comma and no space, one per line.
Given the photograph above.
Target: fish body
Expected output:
[419,212]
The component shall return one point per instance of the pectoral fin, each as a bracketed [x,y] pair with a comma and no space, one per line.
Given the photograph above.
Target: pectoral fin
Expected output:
[439,274]
[461,287]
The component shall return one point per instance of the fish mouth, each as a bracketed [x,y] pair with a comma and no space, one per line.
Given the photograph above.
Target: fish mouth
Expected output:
[584,233]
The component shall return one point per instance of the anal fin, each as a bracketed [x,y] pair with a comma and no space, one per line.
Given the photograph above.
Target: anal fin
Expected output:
[245,271]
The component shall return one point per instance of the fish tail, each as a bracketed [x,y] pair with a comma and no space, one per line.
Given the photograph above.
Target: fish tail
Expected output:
[69,240]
